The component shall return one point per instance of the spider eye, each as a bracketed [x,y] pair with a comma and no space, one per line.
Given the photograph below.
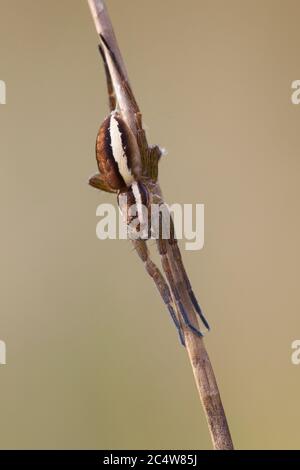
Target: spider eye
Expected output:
[117,153]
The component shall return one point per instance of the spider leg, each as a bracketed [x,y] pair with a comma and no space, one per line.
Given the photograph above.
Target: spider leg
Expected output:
[96,181]
[110,88]
[177,256]
[125,84]
[182,272]
[163,288]
[162,248]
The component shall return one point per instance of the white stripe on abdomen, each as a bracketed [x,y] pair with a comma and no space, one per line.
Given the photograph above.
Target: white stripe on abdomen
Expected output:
[118,151]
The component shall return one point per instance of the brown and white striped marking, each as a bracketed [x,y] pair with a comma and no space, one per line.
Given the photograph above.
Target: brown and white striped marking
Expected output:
[117,153]
[134,204]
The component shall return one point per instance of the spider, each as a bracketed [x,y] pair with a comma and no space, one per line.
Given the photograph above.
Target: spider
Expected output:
[128,167]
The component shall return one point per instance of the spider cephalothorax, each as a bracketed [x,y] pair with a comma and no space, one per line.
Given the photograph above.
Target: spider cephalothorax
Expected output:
[135,207]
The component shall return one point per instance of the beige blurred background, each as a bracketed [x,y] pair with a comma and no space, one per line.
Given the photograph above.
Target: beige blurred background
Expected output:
[93,360]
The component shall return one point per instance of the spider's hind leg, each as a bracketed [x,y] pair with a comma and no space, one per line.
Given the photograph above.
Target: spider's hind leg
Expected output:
[110,88]
[97,181]
[123,80]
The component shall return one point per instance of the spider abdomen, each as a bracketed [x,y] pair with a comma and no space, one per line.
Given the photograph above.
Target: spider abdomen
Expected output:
[117,153]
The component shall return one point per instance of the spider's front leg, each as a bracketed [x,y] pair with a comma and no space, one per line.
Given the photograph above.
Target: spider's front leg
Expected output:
[161,284]
[182,272]
[173,282]
[168,246]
